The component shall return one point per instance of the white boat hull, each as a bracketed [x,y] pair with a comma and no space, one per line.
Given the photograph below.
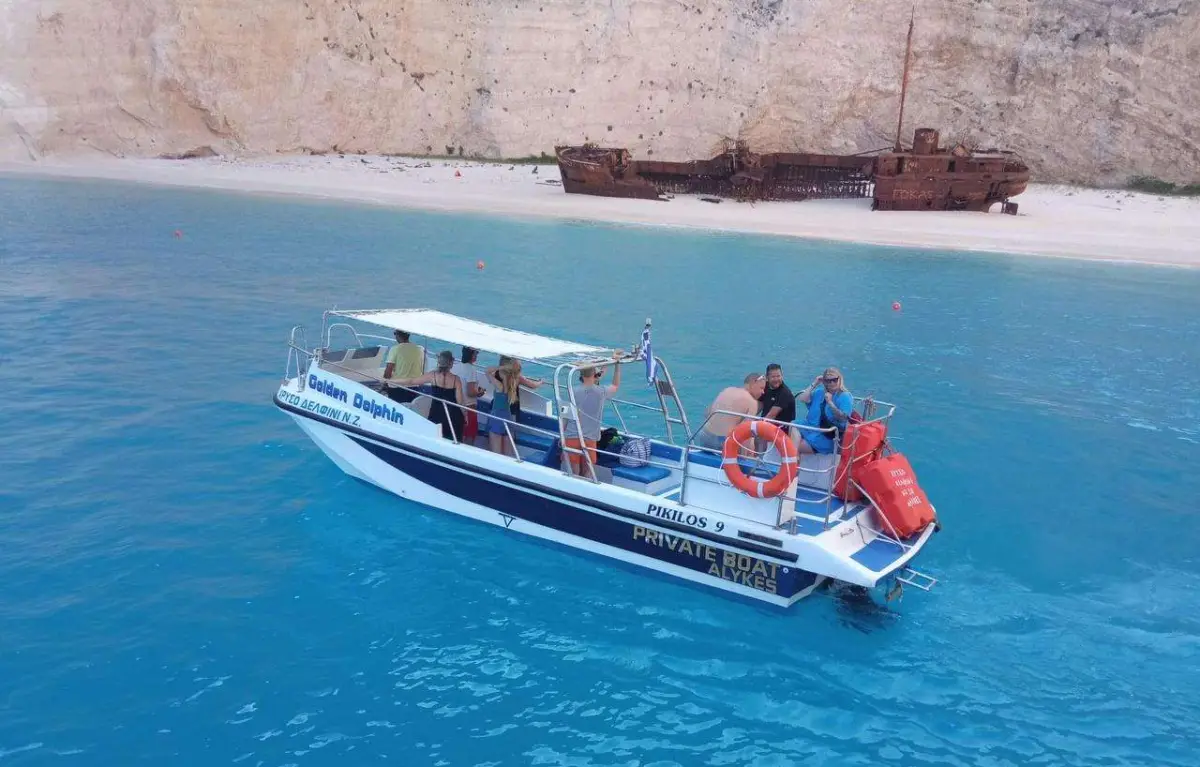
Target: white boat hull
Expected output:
[712,540]
[357,461]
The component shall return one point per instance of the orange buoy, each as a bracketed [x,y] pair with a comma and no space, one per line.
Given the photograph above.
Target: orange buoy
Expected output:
[788,467]
[479,265]
[895,306]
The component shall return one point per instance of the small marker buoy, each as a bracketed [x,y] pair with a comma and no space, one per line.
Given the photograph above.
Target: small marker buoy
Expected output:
[479,265]
[178,234]
[457,174]
[895,306]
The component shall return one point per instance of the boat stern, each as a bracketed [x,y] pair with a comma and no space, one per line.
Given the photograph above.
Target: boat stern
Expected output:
[855,552]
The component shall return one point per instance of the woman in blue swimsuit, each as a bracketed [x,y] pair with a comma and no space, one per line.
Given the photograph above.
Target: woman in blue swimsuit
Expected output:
[507,378]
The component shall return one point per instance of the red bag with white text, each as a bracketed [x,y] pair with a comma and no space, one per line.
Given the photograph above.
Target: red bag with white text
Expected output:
[861,445]
[893,486]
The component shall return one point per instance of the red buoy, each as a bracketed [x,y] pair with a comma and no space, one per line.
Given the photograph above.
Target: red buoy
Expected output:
[178,234]
[479,265]
[895,306]
[457,174]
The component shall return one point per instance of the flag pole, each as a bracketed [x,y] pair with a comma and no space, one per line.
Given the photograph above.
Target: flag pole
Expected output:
[648,354]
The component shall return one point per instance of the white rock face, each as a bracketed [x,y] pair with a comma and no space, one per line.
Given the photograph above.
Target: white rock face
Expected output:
[1085,90]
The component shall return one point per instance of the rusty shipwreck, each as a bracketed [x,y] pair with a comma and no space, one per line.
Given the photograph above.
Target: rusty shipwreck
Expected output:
[924,176]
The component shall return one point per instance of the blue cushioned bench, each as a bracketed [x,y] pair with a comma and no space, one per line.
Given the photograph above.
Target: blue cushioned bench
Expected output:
[766,471]
[534,440]
[643,474]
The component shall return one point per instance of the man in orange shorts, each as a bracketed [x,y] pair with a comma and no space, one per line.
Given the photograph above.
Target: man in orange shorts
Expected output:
[590,398]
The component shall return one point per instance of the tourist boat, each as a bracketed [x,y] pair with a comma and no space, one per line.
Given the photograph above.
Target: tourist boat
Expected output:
[680,512]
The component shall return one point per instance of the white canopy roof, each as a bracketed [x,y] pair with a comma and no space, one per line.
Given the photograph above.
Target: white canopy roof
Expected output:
[461,331]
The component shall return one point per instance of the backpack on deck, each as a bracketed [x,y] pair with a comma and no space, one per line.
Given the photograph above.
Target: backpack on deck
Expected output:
[635,452]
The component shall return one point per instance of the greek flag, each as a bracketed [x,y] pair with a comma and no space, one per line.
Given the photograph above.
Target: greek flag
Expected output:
[648,354]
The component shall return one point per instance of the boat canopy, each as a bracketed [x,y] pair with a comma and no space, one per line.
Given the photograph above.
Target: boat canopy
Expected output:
[461,331]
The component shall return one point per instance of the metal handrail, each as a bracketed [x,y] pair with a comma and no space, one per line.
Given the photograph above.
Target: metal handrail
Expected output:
[295,352]
[508,423]
[557,366]
[826,499]
[895,536]
[347,326]
[683,419]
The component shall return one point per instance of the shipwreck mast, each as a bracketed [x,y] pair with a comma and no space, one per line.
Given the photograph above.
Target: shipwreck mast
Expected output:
[904,80]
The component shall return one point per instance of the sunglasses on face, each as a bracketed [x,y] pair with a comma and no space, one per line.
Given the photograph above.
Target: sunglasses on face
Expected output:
[832,380]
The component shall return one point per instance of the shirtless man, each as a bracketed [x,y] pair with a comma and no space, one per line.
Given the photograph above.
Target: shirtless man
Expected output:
[735,399]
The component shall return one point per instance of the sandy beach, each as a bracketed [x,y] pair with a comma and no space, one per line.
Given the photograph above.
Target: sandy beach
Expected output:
[1056,221]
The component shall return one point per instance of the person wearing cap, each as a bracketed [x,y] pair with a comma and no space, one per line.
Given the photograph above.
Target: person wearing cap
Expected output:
[829,408]
[590,398]
[741,400]
[404,360]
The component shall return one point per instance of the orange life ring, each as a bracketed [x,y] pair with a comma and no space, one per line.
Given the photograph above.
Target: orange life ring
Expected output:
[788,468]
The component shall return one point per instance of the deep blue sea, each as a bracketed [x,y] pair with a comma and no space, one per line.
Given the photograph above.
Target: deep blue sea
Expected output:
[186,580]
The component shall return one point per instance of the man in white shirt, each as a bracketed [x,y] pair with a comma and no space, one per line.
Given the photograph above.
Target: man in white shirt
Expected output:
[475,385]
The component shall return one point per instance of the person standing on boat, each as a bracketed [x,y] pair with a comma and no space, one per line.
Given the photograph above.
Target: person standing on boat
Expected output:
[829,408]
[590,399]
[405,360]
[447,394]
[742,401]
[514,402]
[508,381]
[474,384]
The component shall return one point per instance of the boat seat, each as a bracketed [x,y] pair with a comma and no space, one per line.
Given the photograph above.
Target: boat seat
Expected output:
[542,442]
[704,458]
[643,474]
[552,457]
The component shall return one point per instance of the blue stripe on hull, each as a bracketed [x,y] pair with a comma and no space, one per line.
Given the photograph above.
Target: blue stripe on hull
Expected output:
[715,561]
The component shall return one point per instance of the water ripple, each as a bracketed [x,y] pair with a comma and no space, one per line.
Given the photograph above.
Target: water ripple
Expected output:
[188,581]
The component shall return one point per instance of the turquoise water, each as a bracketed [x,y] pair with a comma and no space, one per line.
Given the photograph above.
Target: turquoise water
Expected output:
[185,579]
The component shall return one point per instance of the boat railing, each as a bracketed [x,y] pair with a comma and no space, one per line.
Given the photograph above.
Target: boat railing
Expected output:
[299,357]
[353,331]
[813,475]
[509,425]
[617,403]
[569,410]
[870,411]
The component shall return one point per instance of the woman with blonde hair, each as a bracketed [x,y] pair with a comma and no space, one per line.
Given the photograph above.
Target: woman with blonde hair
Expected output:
[508,381]
[447,392]
[828,411]
[514,402]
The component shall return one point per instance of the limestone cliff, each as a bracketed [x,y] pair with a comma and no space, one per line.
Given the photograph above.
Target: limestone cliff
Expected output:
[1085,90]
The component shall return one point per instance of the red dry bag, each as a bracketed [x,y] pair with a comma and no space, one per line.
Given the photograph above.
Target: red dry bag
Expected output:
[893,486]
[861,445]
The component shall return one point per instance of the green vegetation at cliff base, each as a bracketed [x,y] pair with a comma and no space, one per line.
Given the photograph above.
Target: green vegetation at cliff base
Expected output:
[1152,185]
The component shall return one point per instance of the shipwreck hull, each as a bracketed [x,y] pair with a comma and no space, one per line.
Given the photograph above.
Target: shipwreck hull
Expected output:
[601,171]
[932,178]
[927,177]
[736,174]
